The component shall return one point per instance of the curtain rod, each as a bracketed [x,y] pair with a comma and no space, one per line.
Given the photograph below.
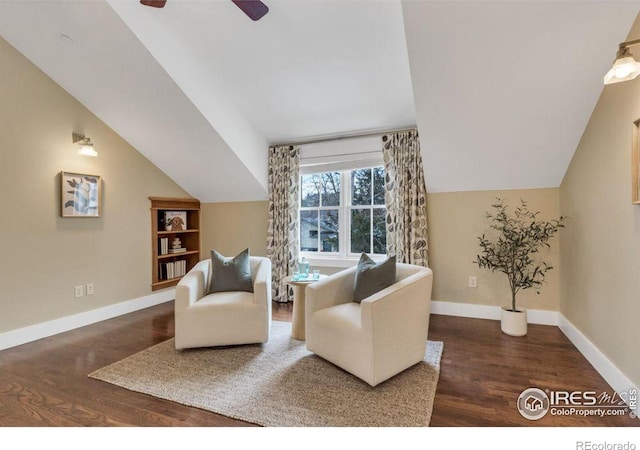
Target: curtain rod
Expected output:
[337,137]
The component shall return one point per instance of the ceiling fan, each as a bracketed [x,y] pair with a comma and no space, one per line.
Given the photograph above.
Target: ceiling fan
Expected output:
[255,9]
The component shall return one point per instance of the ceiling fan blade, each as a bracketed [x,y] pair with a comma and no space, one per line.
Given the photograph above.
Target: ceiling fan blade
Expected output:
[255,9]
[154,3]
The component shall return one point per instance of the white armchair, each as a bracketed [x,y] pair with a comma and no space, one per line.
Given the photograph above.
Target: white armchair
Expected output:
[222,318]
[381,336]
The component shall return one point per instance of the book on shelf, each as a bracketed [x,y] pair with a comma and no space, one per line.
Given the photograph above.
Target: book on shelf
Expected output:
[171,270]
[177,250]
[164,246]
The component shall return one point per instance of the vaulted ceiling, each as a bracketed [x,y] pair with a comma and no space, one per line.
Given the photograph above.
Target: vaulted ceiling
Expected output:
[500,91]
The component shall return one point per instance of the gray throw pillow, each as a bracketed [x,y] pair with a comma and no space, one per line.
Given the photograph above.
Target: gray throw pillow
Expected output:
[372,277]
[230,274]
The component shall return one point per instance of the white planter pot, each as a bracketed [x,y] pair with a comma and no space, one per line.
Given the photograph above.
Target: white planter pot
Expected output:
[513,323]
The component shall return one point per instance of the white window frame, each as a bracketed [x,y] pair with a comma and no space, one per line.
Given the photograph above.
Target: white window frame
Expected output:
[343,258]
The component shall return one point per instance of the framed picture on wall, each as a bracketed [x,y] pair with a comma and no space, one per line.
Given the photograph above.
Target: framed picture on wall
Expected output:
[80,195]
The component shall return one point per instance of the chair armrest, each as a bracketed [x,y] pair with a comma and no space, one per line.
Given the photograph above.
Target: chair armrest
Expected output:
[193,285]
[403,306]
[262,283]
[333,290]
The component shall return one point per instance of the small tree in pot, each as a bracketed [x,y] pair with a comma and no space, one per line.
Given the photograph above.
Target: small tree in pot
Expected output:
[519,237]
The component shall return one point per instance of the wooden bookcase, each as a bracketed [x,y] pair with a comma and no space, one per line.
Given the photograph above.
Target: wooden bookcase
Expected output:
[190,237]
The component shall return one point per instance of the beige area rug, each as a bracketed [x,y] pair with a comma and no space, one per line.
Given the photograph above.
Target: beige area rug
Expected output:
[279,383]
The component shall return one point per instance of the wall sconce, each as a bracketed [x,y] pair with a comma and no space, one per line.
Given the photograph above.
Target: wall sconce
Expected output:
[86,146]
[625,67]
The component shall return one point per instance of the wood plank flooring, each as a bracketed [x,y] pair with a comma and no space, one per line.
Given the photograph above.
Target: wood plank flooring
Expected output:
[45,383]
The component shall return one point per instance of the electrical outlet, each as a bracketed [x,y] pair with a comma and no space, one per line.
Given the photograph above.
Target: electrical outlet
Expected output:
[79,291]
[473,282]
[90,289]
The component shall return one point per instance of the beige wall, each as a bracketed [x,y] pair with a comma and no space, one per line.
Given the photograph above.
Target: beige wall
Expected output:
[43,255]
[600,287]
[455,220]
[231,227]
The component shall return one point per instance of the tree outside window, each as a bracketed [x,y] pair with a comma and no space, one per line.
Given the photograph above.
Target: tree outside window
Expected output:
[319,213]
[368,233]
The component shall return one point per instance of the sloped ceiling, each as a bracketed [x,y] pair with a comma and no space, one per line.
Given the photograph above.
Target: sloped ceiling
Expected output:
[503,90]
[500,91]
[109,71]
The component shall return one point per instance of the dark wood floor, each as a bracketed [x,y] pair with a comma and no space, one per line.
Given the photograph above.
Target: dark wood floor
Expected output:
[45,383]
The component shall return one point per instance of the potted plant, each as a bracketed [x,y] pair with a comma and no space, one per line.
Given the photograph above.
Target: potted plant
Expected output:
[519,237]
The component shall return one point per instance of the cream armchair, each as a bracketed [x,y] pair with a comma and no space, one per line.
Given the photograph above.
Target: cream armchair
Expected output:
[374,340]
[222,318]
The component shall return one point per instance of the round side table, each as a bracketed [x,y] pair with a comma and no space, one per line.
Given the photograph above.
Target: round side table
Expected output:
[297,323]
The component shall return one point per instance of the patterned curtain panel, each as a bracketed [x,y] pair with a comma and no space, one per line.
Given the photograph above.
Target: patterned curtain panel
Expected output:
[405,198]
[282,236]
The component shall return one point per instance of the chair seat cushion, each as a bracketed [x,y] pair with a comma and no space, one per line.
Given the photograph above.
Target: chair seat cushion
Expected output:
[344,316]
[238,299]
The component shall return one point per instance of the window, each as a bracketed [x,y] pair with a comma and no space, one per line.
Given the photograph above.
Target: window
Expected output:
[367,211]
[342,213]
[320,212]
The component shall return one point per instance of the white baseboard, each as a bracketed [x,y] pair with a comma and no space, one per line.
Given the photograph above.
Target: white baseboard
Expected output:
[607,369]
[41,330]
[534,316]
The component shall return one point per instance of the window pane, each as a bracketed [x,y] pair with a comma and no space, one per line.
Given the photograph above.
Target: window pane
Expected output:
[360,230]
[310,190]
[330,188]
[309,231]
[361,187]
[329,230]
[379,231]
[378,186]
